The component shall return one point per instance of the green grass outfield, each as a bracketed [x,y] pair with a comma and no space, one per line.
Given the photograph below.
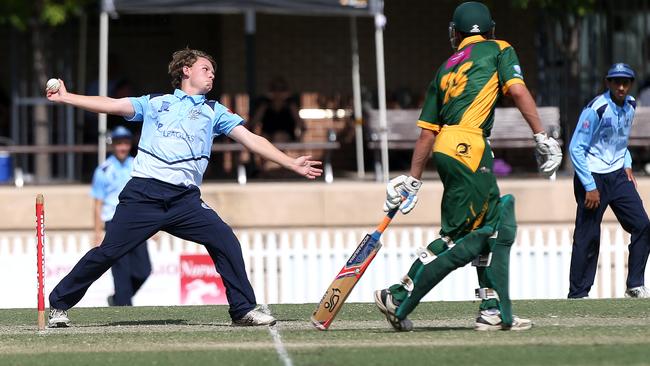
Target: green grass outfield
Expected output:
[566,332]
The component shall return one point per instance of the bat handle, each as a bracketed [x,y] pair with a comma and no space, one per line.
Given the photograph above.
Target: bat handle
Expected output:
[389,216]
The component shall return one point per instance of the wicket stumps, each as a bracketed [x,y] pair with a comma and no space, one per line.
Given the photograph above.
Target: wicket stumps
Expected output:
[40,237]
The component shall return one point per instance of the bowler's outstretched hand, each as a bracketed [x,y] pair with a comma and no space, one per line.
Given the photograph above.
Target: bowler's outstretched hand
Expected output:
[306,167]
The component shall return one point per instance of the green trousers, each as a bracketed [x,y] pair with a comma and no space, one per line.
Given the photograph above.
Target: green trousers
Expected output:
[471,211]
[424,275]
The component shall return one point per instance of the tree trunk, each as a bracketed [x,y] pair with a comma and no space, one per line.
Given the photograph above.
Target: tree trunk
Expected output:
[41,125]
[574,97]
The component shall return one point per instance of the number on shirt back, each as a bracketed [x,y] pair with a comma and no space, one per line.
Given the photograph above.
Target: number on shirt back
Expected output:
[453,84]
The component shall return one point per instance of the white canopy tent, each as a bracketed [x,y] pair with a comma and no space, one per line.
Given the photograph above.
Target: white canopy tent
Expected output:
[351,8]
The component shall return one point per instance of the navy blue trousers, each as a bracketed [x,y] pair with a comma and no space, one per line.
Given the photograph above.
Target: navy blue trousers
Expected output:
[617,192]
[146,207]
[129,273]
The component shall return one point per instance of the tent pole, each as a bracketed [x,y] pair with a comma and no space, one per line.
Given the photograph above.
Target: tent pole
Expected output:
[380,22]
[356,92]
[250,30]
[103,84]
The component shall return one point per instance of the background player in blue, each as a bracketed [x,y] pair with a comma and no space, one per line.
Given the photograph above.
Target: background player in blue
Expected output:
[173,153]
[131,271]
[604,178]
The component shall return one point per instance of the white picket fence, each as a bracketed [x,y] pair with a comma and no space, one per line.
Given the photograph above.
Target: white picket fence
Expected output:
[296,265]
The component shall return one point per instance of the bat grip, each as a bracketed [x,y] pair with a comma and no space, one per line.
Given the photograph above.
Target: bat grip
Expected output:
[389,216]
[384,223]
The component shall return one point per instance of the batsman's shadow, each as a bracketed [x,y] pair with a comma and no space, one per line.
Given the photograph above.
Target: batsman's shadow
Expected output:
[441,329]
[415,330]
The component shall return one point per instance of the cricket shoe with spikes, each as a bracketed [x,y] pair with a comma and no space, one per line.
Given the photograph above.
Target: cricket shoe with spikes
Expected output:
[639,292]
[58,319]
[386,304]
[255,317]
[492,321]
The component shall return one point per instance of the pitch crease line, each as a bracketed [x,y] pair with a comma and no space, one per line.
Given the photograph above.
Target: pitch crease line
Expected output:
[277,341]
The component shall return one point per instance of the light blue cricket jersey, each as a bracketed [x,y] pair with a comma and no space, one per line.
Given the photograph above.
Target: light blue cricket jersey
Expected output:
[599,143]
[177,134]
[108,181]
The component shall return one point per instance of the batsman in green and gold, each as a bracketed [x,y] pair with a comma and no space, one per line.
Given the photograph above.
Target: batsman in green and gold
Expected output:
[477,224]
[459,107]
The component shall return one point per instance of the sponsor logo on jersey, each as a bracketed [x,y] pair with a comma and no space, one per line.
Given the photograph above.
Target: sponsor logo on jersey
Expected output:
[181,135]
[194,113]
[464,150]
[459,57]
[607,122]
[164,107]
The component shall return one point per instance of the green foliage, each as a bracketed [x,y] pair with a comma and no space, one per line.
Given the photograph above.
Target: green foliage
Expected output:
[23,13]
[559,7]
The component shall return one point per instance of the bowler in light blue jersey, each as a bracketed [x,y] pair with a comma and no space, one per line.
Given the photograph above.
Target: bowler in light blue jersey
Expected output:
[177,133]
[132,270]
[604,178]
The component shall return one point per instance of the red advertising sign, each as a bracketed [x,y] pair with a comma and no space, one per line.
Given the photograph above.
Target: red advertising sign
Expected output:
[200,282]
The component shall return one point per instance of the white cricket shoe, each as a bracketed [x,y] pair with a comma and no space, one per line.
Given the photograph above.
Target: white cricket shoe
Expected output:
[254,318]
[487,321]
[640,292]
[385,303]
[58,319]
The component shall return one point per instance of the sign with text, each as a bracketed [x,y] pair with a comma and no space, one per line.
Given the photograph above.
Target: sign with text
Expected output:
[200,282]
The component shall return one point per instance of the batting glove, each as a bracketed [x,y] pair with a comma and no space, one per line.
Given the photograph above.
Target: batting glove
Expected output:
[402,191]
[547,153]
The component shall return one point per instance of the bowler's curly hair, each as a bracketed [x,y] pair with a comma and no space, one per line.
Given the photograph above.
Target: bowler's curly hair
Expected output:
[185,57]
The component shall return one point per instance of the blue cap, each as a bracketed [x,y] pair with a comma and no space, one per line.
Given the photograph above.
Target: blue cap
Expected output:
[620,70]
[121,132]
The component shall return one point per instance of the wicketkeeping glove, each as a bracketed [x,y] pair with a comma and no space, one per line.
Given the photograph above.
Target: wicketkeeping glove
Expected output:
[394,189]
[547,153]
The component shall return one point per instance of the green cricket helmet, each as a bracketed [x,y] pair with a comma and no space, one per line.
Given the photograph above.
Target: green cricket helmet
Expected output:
[470,17]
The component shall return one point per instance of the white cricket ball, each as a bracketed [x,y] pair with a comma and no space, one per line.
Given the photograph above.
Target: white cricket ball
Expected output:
[53,85]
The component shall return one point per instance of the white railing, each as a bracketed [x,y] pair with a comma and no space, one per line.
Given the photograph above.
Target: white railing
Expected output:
[296,265]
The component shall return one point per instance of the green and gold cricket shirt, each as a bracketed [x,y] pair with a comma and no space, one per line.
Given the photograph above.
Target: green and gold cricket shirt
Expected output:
[460,100]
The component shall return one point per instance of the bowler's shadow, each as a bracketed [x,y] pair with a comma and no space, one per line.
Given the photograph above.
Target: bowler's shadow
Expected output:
[415,330]
[125,323]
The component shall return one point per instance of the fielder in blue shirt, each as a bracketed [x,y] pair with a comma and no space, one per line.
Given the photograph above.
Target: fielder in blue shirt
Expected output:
[173,153]
[604,178]
[132,270]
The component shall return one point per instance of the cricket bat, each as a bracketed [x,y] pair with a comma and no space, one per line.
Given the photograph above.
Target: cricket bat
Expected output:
[348,277]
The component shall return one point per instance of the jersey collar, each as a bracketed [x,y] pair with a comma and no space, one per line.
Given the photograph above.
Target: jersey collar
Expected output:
[112,159]
[471,40]
[196,99]
[626,105]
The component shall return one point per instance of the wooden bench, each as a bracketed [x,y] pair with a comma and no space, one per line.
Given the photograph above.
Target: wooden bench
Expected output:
[326,146]
[640,134]
[510,130]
